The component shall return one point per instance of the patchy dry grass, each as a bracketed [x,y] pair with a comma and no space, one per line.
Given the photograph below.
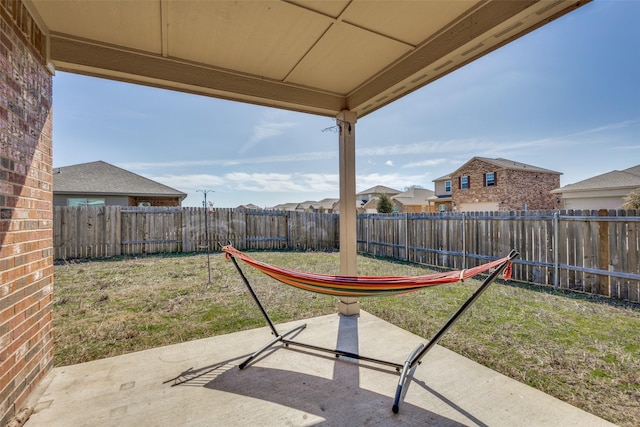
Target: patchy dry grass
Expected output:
[585,351]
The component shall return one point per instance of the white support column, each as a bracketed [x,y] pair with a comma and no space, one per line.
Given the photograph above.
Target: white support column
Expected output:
[348,239]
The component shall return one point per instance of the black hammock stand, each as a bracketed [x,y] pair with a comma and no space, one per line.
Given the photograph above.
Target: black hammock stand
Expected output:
[503,265]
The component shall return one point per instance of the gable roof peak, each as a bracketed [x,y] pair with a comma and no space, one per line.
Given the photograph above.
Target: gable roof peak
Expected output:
[379,189]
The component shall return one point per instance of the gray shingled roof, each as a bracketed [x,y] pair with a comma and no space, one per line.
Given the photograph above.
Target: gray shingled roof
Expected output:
[103,178]
[379,189]
[325,203]
[635,170]
[513,165]
[285,207]
[501,163]
[442,178]
[414,196]
[628,178]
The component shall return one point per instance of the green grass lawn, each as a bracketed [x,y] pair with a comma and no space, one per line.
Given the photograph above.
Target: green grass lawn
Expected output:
[583,350]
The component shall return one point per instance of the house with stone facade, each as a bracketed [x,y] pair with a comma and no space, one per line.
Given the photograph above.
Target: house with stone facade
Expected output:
[484,184]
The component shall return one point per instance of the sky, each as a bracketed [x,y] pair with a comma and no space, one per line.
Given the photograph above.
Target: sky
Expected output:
[565,97]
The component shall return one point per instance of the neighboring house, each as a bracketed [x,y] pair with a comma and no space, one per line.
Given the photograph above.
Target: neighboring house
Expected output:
[442,198]
[284,207]
[305,206]
[357,207]
[414,200]
[606,191]
[101,184]
[484,184]
[324,205]
[367,200]
[377,191]
[249,207]
[370,206]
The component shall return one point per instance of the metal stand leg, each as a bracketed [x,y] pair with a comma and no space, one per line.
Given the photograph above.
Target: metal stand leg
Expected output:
[403,376]
[416,356]
[279,337]
[270,343]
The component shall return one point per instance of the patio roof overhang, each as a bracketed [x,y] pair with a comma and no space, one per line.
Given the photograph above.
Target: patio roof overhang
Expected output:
[342,58]
[318,57]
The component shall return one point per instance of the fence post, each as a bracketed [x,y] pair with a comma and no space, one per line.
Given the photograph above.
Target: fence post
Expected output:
[406,235]
[604,255]
[464,240]
[368,218]
[556,264]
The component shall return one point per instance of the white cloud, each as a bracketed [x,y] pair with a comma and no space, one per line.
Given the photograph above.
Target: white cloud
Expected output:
[389,163]
[274,123]
[253,182]
[427,163]
[610,126]
[187,183]
[285,158]
[284,182]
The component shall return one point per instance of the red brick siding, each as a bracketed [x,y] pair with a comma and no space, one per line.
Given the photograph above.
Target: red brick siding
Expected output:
[531,188]
[514,188]
[26,253]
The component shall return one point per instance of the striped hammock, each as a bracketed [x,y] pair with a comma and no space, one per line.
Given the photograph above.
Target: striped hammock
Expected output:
[363,286]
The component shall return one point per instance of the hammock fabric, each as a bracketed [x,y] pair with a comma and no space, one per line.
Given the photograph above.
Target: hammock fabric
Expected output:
[363,286]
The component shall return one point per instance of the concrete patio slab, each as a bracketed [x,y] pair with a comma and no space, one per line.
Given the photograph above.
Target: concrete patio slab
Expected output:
[198,383]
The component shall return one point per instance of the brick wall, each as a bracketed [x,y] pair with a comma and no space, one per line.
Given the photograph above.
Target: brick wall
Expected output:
[514,187]
[532,188]
[26,253]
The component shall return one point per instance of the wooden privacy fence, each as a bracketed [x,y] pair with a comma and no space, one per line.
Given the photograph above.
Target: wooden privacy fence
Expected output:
[595,251]
[591,251]
[106,231]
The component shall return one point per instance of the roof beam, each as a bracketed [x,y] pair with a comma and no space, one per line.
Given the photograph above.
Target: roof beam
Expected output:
[100,60]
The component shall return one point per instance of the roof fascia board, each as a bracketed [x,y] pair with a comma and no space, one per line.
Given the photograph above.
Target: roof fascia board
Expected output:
[100,60]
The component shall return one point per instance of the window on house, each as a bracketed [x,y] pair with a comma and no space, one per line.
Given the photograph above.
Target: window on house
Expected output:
[447,186]
[464,182]
[489,179]
[73,201]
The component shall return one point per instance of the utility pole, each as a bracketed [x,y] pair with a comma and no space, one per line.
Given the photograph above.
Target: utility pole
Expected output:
[206,229]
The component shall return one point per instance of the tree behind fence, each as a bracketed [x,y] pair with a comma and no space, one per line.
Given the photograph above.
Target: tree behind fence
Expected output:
[596,252]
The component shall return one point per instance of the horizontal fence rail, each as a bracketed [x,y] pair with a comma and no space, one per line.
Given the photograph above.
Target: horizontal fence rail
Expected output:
[596,252]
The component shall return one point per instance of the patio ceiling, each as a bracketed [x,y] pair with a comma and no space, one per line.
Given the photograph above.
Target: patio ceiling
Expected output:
[318,57]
